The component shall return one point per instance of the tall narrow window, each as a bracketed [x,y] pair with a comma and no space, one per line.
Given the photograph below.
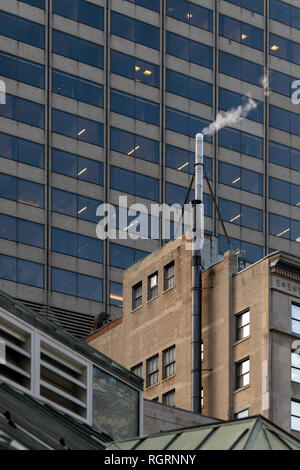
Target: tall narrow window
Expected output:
[296,319]
[138,369]
[295,415]
[242,373]
[152,366]
[169,362]
[295,370]
[137,296]
[168,398]
[153,286]
[243,325]
[169,276]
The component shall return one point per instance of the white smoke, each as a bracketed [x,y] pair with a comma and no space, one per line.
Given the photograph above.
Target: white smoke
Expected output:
[232,116]
[235,115]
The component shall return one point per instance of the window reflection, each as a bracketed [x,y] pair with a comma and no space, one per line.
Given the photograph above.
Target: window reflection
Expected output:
[116,294]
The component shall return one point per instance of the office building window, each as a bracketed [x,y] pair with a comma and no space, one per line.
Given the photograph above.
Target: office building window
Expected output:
[252,252]
[284,156]
[184,160]
[25,111]
[134,107]
[152,370]
[138,370]
[21,150]
[188,87]
[295,366]
[79,285]
[77,245]
[189,50]
[77,88]
[17,28]
[241,69]
[135,30]
[21,190]
[284,228]
[169,362]
[190,13]
[77,49]
[296,319]
[134,145]
[134,183]
[152,286]
[116,294]
[257,6]
[22,271]
[168,398]
[285,120]
[22,70]
[229,99]
[77,167]
[169,276]
[284,48]
[242,373]
[124,256]
[240,178]
[137,295]
[134,68]
[77,127]
[22,231]
[81,11]
[281,83]
[295,415]
[243,325]
[242,414]
[186,124]
[74,205]
[240,214]
[241,142]
[35,3]
[285,13]
[151,4]
[283,191]
[243,33]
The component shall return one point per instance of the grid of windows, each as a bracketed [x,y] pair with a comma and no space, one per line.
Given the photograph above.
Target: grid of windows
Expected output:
[189,87]
[242,374]
[285,13]
[168,398]
[186,124]
[241,178]
[77,88]
[152,286]
[134,183]
[169,362]
[189,50]
[77,127]
[243,325]
[241,142]
[74,205]
[295,318]
[239,68]
[137,296]
[152,370]
[134,145]
[169,276]
[134,107]
[138,370]
[295,415]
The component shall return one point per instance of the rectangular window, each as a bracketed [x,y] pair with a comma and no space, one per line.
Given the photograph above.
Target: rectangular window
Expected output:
[137,295]
[77,88]
[35,3]
[74,205]
[77,49]
[134,183]
[284,120]
[134,107]
[241,69]
[183,160]
[284,228]
[242,325]
[295,415]
[152,370]
[186,124]
[138,370]
[81,11]
[229,99]
[21,190]
[240,214]
[189,50]
[189,87]
[134,145]
[169,362]
[242,374]
[21,150]
[77,127]
[281,83]
[283,191]
[134,68]
[77,245]
[79,285]
[151,4]
[22,70]
[134,30]
[190,13]
[116,294]
[240,178]
[284,156]
[168,398]
[285,13]
[243,33]
[25,111]
[77,167]
[169,276]
[295,369]
[22,30]
[22,271]
[257,6]
[241,142]
[242,414]
[296,319]
[284,48]
[124,256]
[152,286]
[252,252]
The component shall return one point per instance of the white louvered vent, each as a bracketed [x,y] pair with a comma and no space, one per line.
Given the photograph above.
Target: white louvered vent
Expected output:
[17,367]
[63,380]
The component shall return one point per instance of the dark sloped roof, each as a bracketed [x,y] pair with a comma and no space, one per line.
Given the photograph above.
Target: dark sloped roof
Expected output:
[27,423]
[256,433]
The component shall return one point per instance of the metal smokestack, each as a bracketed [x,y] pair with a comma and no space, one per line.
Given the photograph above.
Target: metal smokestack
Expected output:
[197,282]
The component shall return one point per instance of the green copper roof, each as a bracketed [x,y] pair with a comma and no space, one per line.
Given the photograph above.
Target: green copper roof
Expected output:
[256,433]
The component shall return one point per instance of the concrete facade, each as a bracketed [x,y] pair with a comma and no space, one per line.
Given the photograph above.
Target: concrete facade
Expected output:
[267,289]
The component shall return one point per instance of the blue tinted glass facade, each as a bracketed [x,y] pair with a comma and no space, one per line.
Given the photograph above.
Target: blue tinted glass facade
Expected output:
[283,191]
[229,100]
[243,33]
[190,13]
[254,5]
[77,49]
[134,68]
[21,150]
[22,70]
[134,107]
[134,145]
[184,160]
[252,251]
[189,50]
[35,3]
[135,30]
[285,13]
[15,27]
[282,227]
[281,83]
[81,11]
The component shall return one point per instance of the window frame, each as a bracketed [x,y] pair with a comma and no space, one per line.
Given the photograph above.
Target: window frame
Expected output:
[152,291]
[240,328]
[240,376]
[137,295]
[152,373]
[169,362]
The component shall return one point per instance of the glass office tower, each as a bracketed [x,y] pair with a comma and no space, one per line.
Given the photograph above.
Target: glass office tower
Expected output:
[104,98]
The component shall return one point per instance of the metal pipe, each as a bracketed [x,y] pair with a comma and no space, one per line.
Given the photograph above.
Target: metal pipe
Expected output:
[197,282]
